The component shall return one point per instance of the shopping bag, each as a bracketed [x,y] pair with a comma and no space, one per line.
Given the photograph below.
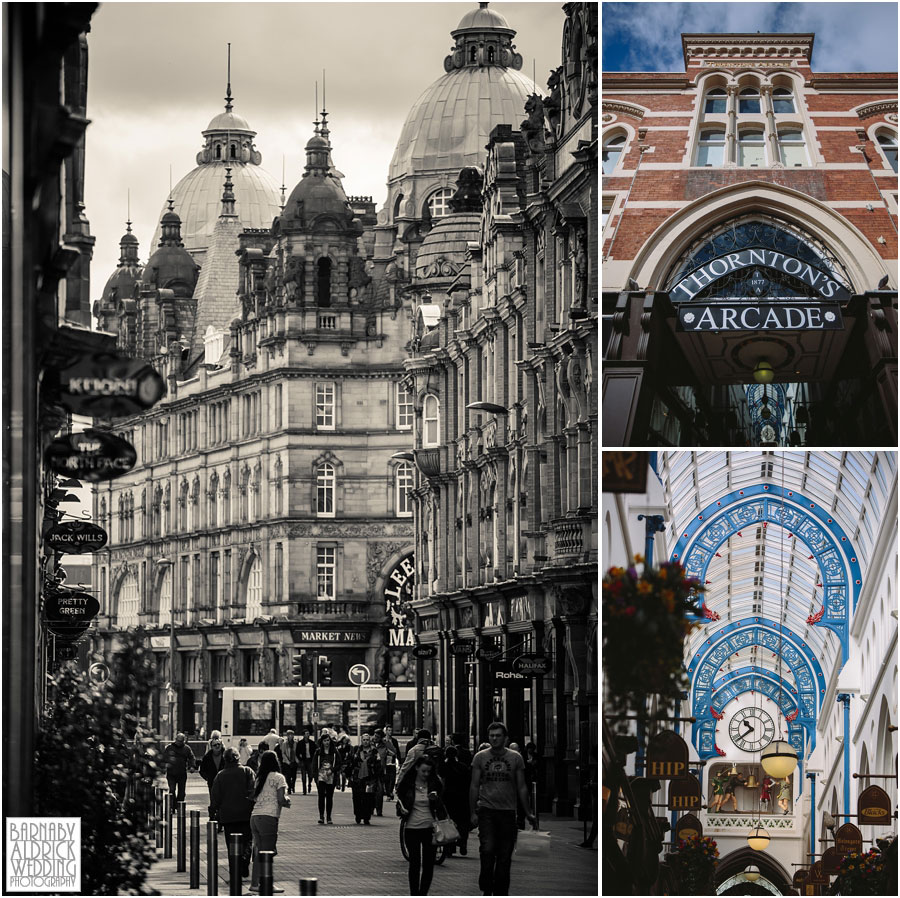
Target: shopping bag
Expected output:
[444,832]
[533,843]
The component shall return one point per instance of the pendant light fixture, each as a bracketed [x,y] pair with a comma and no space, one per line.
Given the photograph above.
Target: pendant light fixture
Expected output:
[758,839]
[752,873]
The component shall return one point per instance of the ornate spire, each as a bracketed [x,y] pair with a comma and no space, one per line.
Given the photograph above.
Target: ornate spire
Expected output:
[228,97]
[128,247]
[228,196]
[171,227]
[483,38]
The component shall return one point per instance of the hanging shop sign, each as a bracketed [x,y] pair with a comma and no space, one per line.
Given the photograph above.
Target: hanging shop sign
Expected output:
[91,455]
[625,472]
[463,647]
[848,840]
[623,826]
[425,651]
[534,665]
[687,827]
[398,591]
[107,385]
[831,861]
[716,315]
[817,876]
[684,793]
[688,287]
[800,878]
[76,537]
[488,652]
[69,606]
[874,806]
[667,756]
[505,677]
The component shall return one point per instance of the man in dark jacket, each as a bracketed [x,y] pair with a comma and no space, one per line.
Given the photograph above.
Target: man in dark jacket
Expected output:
[212,760]
[179,759]
[289,760]
[457,778]
[231,803]
[306,749]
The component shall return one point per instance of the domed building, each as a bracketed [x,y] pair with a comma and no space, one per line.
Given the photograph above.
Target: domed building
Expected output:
[228,140]
[120,286]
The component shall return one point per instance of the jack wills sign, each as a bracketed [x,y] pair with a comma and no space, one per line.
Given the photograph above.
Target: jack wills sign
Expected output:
[786,315]
[690,285]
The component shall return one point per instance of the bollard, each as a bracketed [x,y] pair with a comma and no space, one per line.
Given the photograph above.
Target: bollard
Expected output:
[309,885]
[195,850]
[235,853]
[167,819]
[212,858]
[180,866]
[534,806]
[266,874]
[155,814]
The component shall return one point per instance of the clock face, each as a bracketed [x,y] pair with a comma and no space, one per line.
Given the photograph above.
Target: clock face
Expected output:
[767,434]
[751,729]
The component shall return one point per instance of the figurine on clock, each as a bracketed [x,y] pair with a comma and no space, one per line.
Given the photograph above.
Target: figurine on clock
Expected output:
[734,780]
[765,796]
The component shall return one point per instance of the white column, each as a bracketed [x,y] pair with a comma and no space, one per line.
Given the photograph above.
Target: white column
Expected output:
[731,128]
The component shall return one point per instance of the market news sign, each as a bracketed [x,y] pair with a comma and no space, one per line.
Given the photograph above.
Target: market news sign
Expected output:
[722,315]
[688,287]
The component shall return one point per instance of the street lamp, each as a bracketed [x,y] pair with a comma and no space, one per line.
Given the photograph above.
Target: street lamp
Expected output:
[779,759]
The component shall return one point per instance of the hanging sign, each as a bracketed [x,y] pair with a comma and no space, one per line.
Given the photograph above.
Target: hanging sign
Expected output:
[425,651]
[92,455]
[800,878]
[667,756]
[69,606]
[625,472]
[874,806]
[506,677]
[463,647]
[716,315]
[488,652]
[688,287]
[398,591]
[107,385]
[76,537]
[68,631]
[817,876]
[684,793]
[831,861]
[535,665]
[848,839]
[623,826]
[688,827]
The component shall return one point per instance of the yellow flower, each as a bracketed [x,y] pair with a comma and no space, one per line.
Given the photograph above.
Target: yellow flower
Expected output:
[662,573]
[639,559]
[644,587]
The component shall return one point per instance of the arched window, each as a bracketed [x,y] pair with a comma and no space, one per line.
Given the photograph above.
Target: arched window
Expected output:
[711,148]
[254,493]
[213,497]
[439,202]
[167,510]
[254,590]
[234,151]
[748,101]
[612,150]
[782,100]
[218,151]
[225,516]
[183,500]
[887,142]
[751,149]
[325,490]
[490,54]
[165,597]
[473,50]
[128,602]
[279,488]
[245,495]
[144,528]
[397,204]
[323,282]
[404,481]
[431,420]
[791,147]
[715,102]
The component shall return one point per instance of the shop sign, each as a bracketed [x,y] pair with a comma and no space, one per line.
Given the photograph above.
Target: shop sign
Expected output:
[398,591]
[688,287]
[817,876]
[766,316]
[91,455]
[425,651]
[76,537]
[831,861]
[535,665]
[70,606]
[624,472]
[667,756]
[520,608]
[332,636]
[105,385]
[623,826]
[463,647]
[874,806]
[505,677]
[494,614]
[68,632]
[159,642]
[489,652]
[687,827]
[684,793]
[848,839]
[800,878]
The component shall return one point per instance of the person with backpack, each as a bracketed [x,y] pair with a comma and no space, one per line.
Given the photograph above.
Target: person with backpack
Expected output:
[326,771]
[231,803]
[423,742]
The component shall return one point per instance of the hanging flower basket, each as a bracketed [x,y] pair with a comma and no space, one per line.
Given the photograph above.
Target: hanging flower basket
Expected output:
[645,622]
[862,874]
[694,862]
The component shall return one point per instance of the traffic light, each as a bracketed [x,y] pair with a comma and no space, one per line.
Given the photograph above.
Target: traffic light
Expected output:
[297,669]
[324,673]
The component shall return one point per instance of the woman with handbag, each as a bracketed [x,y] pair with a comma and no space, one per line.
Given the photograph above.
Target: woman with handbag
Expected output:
[419,803]
[326,770]
[364,774]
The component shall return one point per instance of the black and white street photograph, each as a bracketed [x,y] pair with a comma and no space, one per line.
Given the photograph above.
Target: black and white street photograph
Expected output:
[300,448]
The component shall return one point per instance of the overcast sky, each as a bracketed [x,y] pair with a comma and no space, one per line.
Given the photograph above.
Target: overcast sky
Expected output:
[850,37]
[157,74]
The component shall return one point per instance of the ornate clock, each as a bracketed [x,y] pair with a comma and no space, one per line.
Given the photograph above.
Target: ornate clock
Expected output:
[751,729]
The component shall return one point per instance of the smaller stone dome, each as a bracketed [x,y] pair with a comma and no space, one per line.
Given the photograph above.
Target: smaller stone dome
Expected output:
[317,142]
[482,18]
[229,121]
[171,264]
[443,251]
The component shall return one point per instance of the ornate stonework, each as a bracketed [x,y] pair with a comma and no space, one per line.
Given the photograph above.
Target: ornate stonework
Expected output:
[882,106]
[624,108]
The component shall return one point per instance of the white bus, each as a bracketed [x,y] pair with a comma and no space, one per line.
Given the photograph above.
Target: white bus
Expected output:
[251,711]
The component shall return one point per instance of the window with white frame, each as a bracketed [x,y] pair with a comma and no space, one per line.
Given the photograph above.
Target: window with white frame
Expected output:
[165,596]
[325,406]
[711,148]
[128,602]
[254,590]
[887,143]
[404,480]
[325,572]
[404,408]
[715,102]
[751,148]
[325,490]
[612,150]
[791,147]
[748,101]
[782,100]
[430,421]
[439,202]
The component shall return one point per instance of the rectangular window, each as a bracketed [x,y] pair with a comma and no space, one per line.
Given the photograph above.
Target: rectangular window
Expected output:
[325,572]
[279,572]
[226,581]
[278,400]
[214,601]
[711,155]
[184,601]
[197,588]
[793,155]
[404,487]
[404,408]
[325,406]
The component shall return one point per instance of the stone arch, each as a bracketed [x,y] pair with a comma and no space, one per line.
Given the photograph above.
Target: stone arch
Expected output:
[735,862]
[667,243]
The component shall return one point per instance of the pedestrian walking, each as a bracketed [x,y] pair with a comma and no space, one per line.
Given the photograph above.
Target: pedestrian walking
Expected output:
[290,760]
[345,749]
[459,742]
[423,742]
[270,798]
[392,762]
[498,782]
[179,759]
[244,752]
[231,803]
[419,802]
[326,770]
[364,771]
[382,750]
[306,749]
[532,767]
[457,778]
[212,761]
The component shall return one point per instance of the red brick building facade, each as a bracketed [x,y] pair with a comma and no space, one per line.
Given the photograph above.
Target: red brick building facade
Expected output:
[749,152]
